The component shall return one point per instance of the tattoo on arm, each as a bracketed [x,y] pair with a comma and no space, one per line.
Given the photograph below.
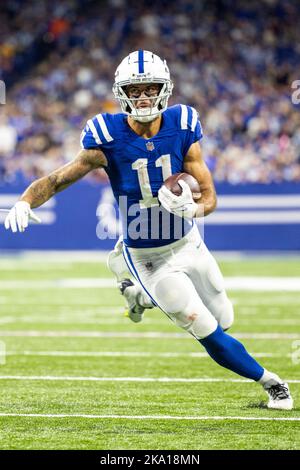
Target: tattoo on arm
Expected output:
[44,188]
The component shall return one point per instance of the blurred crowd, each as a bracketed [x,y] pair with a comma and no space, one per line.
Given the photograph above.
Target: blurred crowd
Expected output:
[233,61]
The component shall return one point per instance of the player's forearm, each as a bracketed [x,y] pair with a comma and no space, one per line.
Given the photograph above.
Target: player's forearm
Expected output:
[43,189]
[207,202]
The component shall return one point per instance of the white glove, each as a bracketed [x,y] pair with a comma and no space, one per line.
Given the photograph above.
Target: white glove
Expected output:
[183,205]
[18,217]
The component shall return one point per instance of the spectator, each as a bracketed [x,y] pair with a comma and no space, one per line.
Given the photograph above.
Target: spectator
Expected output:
[228,60]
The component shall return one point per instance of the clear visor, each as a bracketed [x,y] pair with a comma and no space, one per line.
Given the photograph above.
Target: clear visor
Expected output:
[156,103]
[153,100]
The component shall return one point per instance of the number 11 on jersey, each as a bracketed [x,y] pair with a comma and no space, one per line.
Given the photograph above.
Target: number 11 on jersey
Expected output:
[140,165]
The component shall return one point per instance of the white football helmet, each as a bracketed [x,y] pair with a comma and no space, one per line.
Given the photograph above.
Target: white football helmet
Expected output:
[142,67]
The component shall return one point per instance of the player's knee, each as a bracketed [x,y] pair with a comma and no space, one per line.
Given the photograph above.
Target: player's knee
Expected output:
[222,309]
[172,298]
[199,324]
[187,311]
[227,315]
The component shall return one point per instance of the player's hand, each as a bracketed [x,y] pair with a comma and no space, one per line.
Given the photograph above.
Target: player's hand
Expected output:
[183,205]
[18,217]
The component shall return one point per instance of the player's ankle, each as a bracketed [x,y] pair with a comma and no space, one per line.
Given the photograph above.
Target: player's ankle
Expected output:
[269,377]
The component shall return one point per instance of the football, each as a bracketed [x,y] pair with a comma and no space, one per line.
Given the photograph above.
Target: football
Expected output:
[171,183]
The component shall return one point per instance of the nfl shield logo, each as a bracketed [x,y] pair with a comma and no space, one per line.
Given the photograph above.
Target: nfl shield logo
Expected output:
[150,146]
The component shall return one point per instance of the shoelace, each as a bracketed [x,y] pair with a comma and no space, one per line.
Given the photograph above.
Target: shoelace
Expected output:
[279,392]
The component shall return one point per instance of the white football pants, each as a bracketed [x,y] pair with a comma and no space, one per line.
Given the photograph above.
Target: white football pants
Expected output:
[185,282]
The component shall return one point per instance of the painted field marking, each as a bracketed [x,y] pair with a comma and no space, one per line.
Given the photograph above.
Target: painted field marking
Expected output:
[269,300]
[70,320]
[85,319]
[135,335]
[153,417]
[130,379]
[203,355]
[245,283]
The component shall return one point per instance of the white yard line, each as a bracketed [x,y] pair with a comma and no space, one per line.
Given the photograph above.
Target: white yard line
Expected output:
[65,309]
[62,283]
[37,267]
[94,334]
[244,283]
[55,256]
[127,334]
[263,283]
[153,417]
[268,322]
[84,319]
[270,300]
[271,336]
[72,320]
[43,302]
[52,378]
[141,354]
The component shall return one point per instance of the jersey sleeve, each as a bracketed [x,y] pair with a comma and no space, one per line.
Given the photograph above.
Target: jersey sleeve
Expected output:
[190,124]
[97,133]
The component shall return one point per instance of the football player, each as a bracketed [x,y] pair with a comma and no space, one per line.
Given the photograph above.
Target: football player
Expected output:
[173,270]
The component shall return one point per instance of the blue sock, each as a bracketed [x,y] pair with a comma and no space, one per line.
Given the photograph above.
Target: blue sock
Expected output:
[230,353]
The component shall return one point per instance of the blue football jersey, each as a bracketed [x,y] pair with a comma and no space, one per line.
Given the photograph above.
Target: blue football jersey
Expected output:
[137,168]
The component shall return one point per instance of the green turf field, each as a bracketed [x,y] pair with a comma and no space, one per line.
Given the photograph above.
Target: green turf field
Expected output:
[78,375]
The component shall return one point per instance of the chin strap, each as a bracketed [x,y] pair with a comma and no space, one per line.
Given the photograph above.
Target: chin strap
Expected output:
[148,118]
